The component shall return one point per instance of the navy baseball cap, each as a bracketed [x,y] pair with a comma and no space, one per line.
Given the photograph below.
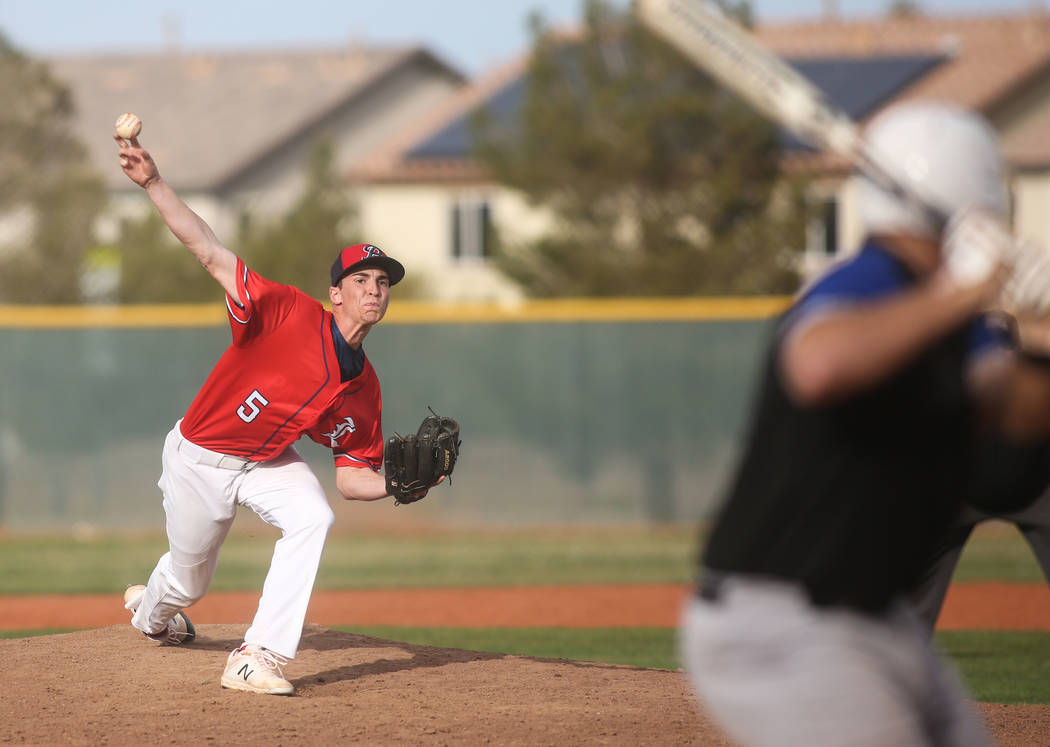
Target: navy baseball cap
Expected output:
[365,256]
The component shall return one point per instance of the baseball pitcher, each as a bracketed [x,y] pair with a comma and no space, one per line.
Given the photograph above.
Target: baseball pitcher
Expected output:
[293,369]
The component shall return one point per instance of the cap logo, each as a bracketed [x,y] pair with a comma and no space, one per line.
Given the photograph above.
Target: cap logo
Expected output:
[365,255]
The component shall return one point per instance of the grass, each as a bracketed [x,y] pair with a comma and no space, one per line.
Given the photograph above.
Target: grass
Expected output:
[513,557]
[34,632]
[653,648]
[997,552]
[997,667]
[1000,667]
[61,565]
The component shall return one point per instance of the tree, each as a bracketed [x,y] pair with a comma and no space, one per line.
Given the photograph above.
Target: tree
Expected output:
[904,9]
[299,248]
[155,268]
[48,191]
[296,248]
[659,181]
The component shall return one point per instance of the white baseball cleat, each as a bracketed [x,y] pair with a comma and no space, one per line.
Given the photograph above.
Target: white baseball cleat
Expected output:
[180,630]
[256,670]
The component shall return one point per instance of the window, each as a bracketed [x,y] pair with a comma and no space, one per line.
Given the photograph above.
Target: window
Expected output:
[471,230]
[823,230]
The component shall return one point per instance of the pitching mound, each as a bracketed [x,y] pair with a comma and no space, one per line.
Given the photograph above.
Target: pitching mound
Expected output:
[112,686]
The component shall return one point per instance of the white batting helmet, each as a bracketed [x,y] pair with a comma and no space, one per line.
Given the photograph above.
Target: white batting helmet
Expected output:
[948,154]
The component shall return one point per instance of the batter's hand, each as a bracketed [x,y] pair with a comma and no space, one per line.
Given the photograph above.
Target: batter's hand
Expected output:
[977,248]
[136,161]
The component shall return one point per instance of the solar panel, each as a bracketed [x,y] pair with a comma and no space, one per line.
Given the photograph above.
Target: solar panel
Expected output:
[857,85]
[860,85]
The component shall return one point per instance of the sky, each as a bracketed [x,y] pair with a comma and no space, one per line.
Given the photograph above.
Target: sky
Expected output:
[470,35]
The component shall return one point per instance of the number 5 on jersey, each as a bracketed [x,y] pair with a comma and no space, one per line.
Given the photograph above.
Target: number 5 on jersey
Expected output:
[252,406]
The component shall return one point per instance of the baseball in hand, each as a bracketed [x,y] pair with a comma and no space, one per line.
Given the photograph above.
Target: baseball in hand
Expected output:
[128,125]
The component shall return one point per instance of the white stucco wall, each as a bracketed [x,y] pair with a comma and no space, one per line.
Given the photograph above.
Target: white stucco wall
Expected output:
[273,183]
[413,223]
[1031,210]
[136,204]
[1032,207]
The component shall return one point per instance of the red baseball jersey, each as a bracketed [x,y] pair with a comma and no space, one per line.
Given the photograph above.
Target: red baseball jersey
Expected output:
[280,379]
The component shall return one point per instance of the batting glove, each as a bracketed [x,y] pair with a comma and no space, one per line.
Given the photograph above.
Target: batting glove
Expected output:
[976,244]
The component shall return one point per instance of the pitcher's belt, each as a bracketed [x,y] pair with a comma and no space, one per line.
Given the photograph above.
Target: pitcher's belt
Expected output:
[213,458]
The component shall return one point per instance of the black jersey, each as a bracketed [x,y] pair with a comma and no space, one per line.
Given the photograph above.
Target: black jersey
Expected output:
[849,499]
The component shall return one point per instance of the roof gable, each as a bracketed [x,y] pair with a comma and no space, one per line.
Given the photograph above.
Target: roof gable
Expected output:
[207,116]
[454,139]
[861,66]
[986,56]
[859,85]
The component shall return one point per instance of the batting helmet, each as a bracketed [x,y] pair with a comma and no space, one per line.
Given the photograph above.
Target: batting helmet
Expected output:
[949,155]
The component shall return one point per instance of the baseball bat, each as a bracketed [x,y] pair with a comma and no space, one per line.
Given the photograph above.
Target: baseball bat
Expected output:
[733,57]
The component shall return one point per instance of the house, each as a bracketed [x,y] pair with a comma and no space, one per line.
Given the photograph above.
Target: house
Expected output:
[427,171]
[231,130]
[998,65]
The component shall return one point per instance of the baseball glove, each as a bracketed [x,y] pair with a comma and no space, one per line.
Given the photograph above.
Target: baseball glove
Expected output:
[415,463]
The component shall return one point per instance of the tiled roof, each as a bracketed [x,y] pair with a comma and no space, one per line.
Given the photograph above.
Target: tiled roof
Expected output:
[208,116]
[389,163]
[989,58]
[976,61]
[989,55]
[884,76]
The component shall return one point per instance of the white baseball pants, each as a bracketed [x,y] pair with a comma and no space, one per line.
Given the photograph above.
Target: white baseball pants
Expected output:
[200,502]
[772,669]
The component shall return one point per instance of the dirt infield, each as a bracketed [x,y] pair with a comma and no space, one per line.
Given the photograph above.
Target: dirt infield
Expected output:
[542,606]
[968,607]
[109,685]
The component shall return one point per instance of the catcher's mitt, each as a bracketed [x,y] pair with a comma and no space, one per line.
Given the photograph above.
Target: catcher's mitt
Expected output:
[415,463]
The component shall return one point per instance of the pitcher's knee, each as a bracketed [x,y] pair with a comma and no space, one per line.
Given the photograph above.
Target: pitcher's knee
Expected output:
[188,600]
[317,520]
[325,519]
[189,583]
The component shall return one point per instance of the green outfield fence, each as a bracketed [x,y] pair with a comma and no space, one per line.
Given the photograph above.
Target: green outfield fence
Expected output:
[572,411]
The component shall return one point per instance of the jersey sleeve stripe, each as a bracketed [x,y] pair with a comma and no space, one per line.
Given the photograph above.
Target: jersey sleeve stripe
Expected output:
[365,462]
[245,294]
[233,314]
[244,285]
